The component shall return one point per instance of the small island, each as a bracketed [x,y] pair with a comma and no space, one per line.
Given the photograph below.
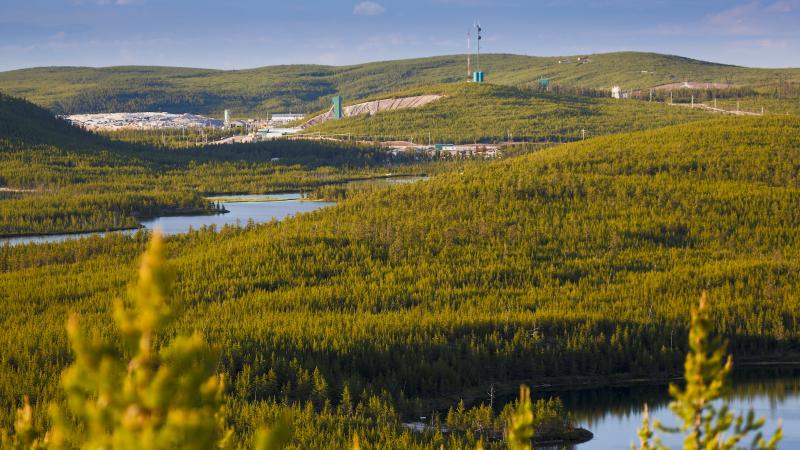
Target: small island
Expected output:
[553,425]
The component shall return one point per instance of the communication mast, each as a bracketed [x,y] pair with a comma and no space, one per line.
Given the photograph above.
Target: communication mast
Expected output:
[478,59]
[469,53]
[477,76]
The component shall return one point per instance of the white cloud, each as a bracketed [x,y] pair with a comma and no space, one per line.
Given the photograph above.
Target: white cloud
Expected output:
[368,9]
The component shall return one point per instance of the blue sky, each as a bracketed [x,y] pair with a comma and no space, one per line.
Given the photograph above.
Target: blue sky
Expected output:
[251,33]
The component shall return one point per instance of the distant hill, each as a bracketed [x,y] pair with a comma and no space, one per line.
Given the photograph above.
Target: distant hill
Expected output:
[306,88]
[488,113]
[24,124]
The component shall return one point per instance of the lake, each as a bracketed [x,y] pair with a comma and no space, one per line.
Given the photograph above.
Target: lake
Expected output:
[243,208]
[614,414]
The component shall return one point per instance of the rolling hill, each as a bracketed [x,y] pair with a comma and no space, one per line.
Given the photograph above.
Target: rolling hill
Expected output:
[487,113]
[56,178]
[580,260]
[306,88]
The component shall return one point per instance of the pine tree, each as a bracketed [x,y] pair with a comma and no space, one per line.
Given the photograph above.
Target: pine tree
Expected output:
[520,426]
[346,403]
[26,436]
[161,398]
[707,424]
[320,388]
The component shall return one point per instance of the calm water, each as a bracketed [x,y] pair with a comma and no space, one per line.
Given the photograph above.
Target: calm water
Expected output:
[243,208]
[614,414]
[240,212]
[249,208]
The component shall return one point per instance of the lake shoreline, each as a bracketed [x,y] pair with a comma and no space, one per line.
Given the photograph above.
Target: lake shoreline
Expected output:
[302,189]
[211,196]
[172,213]
[562,384]
[70,233]
[574,436]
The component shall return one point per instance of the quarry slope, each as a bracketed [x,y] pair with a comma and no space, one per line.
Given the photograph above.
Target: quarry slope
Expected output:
[375,106]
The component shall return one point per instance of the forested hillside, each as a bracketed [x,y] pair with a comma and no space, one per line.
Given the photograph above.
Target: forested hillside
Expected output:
[494,113]
[577,261]
[306,88]
[57,178]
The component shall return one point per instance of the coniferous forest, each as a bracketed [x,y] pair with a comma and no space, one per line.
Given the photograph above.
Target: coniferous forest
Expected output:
[578,262]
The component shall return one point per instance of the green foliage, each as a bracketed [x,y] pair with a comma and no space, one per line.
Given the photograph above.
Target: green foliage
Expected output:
[579,259]
[272,439]
[547,421]
[789,106]
[62,179]
[645,433]
[520,425]
[706,419]
[494,113]
[146,395]
[172,138]
[308,88]
[25,435]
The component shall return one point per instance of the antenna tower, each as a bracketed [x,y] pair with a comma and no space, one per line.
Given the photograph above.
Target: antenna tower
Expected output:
[469,51]
[478,59]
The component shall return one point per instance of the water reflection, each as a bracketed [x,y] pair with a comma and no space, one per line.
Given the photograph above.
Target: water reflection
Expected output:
[614,414]
[242,209]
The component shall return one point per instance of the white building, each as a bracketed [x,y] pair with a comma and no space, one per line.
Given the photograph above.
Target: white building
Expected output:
[283,119]
[272,133]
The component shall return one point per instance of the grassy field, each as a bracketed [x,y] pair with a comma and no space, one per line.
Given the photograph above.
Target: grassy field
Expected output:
[306,88]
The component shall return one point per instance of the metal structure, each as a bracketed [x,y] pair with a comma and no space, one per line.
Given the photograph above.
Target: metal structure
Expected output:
[478,30]
[337,107]
[477,76]
[469,54]
[544,83]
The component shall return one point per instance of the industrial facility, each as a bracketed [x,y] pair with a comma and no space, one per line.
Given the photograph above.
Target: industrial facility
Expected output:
[269,133]
[277,120]
[142,120]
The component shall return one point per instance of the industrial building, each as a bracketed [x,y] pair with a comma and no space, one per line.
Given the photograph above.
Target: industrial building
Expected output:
[142,120]
[277,120]
[273,132]
[445,151]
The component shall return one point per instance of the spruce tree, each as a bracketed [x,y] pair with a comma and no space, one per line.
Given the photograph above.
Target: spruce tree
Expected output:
[706,420]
